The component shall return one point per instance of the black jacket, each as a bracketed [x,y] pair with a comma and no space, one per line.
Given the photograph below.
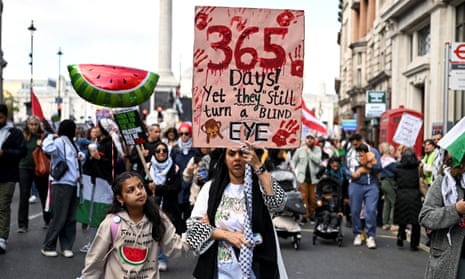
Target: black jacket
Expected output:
[14,149]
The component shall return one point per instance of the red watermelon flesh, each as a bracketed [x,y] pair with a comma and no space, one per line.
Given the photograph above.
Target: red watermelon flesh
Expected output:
[112,78]
[133,255]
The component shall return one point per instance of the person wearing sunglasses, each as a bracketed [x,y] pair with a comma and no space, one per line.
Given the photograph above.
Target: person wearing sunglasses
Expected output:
[230,227]
[165,188]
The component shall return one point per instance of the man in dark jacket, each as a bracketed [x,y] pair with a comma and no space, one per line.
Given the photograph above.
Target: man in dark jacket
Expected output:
[12,149]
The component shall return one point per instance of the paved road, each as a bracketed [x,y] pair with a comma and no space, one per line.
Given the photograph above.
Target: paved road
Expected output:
[323,260]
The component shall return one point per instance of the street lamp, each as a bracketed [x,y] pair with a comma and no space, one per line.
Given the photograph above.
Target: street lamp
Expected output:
[31,28]
[59,100]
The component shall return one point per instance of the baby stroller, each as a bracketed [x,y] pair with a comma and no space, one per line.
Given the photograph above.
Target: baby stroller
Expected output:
[285,222]
[329,204]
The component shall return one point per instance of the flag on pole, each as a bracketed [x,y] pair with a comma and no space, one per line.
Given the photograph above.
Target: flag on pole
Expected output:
[36,108]
[454,141]
[310,122]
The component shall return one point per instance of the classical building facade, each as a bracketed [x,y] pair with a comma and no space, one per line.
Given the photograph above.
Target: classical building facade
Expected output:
[398,47]
[46,91]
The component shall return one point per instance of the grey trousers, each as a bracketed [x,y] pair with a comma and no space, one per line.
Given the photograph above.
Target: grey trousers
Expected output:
[62,226]
[7,189]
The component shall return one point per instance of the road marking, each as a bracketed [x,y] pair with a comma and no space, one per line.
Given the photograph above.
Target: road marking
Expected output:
[31,217]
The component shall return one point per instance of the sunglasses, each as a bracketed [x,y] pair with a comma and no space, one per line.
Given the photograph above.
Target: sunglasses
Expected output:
[184,134]
[160,151]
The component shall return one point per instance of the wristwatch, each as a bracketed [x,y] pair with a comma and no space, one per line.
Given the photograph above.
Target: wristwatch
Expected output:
[260,170]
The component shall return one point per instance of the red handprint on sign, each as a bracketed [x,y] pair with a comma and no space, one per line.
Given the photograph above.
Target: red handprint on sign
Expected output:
[297,64]
[202,18]
[286,133]
[199,57]
[241,22]
[198,98]
[285,18]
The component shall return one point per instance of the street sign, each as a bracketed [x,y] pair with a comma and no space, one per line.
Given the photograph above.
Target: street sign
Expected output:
[457,80]
[376,97]
[457,53]
[375,103]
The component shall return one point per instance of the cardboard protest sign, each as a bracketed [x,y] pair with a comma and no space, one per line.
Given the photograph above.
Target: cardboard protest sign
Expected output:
[247,77]
[408,129]
[132,128]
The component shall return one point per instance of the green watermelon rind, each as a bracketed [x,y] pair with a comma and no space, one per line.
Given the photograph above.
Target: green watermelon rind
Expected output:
[134,263]
[112,98]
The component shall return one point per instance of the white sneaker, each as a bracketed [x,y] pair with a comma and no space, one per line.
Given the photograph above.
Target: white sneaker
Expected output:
[371,243]
[68,253]
[162,266]
[2,246]
[84,248]
[33,199]
[358,240]
[49,253]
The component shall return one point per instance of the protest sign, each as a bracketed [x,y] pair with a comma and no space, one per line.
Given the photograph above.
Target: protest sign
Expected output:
[131,126]
[407,130]
[247,77]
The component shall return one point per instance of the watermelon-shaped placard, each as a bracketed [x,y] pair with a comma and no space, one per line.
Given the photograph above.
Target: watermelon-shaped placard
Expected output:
[133,255]
[112,86]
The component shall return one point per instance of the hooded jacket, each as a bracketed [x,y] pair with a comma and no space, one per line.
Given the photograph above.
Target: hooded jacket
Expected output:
[133,253]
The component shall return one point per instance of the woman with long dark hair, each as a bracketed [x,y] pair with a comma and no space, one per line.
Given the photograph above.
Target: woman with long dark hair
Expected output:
[230,225]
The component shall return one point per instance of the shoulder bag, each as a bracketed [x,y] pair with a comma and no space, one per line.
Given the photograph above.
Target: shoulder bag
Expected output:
[41,162]
[61,166]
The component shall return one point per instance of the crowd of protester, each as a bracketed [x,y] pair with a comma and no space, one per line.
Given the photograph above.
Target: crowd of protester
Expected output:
[381,186]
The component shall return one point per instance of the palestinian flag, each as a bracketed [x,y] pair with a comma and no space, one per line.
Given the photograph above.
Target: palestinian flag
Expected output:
[96,200]
[454,142]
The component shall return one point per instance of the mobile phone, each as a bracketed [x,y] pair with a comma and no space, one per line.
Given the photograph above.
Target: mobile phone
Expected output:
[203,173]
[257,237]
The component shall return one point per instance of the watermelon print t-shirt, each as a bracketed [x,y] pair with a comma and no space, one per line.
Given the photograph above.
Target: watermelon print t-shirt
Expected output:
[230,216]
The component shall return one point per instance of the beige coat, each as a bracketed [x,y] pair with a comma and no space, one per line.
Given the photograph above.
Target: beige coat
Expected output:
[123,257]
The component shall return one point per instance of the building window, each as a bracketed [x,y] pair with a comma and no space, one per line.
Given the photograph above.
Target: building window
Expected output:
[411,43]
[424,41]
[359,78]
[460,23]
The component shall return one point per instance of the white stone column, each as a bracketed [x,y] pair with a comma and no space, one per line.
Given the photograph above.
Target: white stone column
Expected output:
[165,45]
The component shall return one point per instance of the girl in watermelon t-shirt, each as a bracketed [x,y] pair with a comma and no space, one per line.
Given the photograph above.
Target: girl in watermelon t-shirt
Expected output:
[128,239]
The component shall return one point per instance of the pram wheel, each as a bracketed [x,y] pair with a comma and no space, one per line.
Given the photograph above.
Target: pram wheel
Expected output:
[340,239]
[296,242]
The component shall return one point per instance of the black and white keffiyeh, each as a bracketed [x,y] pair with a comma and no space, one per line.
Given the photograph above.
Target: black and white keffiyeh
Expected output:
[246,254]
[159,170]
[185,146]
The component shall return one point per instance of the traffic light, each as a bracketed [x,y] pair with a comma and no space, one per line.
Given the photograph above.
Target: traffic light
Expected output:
[144,114]
[59,111]
[160,114]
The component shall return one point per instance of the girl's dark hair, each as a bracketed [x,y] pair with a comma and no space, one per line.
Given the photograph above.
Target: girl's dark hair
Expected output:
[151,209]
[67,128]
[408,159]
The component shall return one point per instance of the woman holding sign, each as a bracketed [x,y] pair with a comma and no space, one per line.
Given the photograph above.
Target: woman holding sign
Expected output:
[230,226]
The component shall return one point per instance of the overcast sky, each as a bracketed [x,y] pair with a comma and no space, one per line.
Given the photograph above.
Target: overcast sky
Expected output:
[121,32]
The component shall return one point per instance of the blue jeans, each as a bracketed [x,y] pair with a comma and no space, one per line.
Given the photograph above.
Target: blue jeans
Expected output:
[162,257]
[369,195]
